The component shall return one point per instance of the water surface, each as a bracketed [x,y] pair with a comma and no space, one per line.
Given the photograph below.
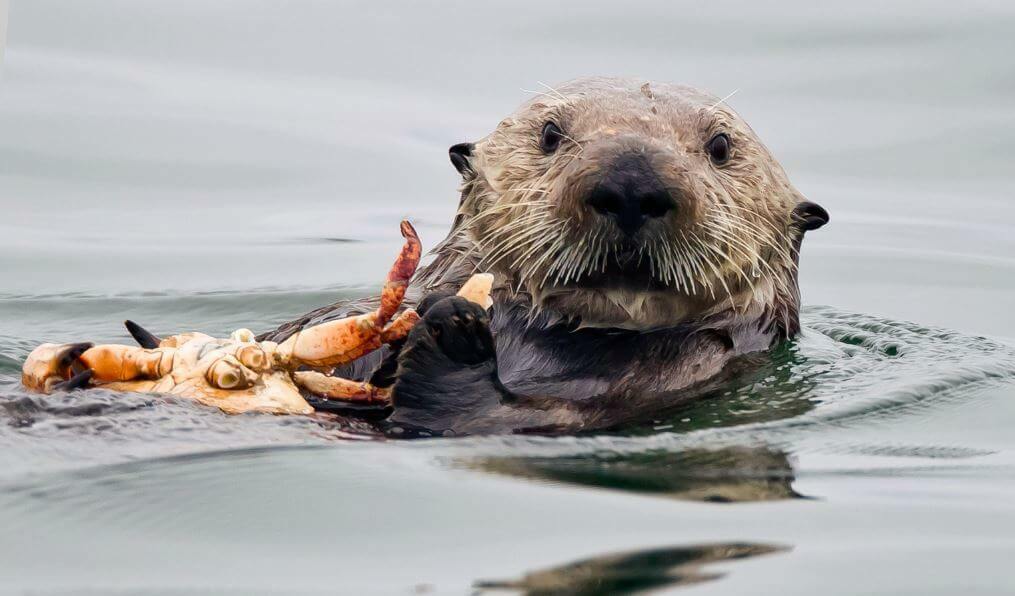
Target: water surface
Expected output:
[196,165]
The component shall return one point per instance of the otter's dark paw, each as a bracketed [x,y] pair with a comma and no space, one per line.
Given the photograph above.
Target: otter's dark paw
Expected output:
[447,370]
[384,375]
[431,298]
[461,329]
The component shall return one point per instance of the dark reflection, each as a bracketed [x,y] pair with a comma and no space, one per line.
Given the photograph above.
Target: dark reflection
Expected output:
[727,475]
[628,573]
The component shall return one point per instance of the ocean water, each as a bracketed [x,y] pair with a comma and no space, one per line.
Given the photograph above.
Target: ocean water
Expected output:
[210,165]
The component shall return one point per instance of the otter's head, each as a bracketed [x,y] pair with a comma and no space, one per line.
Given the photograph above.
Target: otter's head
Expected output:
[633,205]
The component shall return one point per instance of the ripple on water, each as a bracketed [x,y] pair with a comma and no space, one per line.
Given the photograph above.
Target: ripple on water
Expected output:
[846,369]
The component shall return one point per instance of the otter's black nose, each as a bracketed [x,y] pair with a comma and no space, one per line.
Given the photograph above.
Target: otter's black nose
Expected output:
[631,194]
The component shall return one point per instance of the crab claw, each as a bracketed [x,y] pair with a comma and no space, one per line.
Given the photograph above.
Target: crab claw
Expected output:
[338,342]
[49,365]
[62,366]
[477,289]
[399,275]
[143,337]
[78,381]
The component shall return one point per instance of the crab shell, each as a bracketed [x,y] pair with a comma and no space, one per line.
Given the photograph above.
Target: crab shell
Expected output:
[233,375]
[239,374]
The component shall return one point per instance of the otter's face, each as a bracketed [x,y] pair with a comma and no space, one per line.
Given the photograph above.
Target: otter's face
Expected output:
[631,205]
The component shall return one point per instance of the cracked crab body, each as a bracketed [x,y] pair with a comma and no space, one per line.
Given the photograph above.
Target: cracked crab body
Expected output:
[239,374]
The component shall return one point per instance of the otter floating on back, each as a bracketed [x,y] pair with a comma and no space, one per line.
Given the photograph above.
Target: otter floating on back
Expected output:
[642,237]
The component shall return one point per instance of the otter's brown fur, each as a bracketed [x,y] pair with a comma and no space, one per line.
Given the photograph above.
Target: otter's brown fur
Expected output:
[634,260]
[730,246]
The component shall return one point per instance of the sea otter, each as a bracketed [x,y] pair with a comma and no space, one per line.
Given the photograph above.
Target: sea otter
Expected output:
[641,236]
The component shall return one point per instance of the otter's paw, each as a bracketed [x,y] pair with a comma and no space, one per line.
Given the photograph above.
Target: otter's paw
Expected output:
[461,330]
[384,374]
[447,369]
[453,334]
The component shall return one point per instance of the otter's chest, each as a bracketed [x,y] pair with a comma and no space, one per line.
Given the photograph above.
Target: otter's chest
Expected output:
[584,363]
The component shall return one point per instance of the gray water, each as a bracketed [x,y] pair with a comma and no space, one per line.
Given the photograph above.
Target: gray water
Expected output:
[209,165]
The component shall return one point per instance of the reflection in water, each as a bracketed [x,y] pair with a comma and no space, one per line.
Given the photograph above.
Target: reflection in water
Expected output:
[727,475]
[629,573]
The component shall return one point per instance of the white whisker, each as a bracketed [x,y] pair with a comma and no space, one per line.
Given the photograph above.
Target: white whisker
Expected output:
[558,93]
[723,100]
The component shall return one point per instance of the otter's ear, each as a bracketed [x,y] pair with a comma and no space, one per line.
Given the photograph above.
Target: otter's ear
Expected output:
[809,216]
[461,158]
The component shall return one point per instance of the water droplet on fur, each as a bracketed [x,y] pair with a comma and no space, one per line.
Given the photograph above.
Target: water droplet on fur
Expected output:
[755,271]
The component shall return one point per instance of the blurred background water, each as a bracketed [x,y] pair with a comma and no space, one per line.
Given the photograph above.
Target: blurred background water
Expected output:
[207,165]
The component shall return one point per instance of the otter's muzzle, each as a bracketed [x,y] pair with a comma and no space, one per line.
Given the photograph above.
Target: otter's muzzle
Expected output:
[630,193]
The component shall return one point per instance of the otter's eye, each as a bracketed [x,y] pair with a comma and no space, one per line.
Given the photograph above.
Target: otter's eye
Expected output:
[718,148]
[550,138]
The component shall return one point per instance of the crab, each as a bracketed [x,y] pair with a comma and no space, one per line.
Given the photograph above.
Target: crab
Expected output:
[239,374]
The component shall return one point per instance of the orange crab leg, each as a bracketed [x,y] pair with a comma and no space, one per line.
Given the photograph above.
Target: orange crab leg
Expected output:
[49,364]
[338,342]
[341,389]
[126,363]
[400,327]
[399,275]
[347,340]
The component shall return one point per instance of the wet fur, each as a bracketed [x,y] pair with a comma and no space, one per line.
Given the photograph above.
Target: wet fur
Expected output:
[568,344]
